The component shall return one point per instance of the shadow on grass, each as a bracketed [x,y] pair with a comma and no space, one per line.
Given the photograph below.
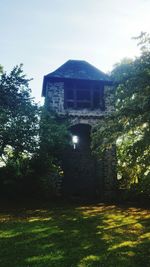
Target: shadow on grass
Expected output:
[75,236]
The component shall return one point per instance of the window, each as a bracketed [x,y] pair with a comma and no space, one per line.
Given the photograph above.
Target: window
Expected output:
[84,97]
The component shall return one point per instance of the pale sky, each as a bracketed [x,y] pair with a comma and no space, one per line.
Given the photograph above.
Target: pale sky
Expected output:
[44,34]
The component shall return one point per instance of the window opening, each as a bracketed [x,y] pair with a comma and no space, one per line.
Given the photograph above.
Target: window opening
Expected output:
[80,98]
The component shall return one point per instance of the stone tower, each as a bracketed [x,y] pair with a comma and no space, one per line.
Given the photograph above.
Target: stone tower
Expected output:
[81,92]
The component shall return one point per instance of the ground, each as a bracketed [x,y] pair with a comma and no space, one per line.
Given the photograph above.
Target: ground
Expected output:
[61,235]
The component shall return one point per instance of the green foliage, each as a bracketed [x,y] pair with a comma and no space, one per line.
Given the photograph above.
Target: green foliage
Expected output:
[19,119]
[130,123]
[32,140]
[19,126]
[54,139]
[17,179]
[54,136]
[18,113]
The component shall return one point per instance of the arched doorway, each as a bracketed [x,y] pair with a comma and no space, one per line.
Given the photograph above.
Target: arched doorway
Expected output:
[79,165]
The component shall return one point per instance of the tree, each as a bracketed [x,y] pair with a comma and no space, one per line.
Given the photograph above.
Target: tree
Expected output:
[18,114]
[32,140]
[130,123]
[19,126]
[53,140]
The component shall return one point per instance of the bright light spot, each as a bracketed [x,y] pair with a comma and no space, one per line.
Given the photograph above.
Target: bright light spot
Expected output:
[75,139]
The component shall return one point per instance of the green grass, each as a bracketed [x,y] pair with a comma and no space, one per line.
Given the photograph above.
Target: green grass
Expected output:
[75,236]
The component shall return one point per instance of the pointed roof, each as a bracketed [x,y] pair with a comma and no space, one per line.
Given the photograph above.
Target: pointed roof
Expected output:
[77,69]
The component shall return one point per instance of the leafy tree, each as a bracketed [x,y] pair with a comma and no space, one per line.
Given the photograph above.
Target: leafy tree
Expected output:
[18,113]
[19,125]
[54,135]
[32,140]
[53,140]
[130,123]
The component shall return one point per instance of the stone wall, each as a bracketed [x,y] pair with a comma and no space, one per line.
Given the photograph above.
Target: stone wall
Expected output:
[55,96]
[55,101]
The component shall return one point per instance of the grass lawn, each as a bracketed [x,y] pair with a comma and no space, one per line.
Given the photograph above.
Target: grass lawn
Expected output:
[75,236]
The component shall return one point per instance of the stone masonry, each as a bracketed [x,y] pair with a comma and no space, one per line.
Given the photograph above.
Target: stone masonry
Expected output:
[55,101]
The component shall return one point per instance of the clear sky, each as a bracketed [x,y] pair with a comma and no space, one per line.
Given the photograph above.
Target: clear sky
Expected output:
[43,34]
